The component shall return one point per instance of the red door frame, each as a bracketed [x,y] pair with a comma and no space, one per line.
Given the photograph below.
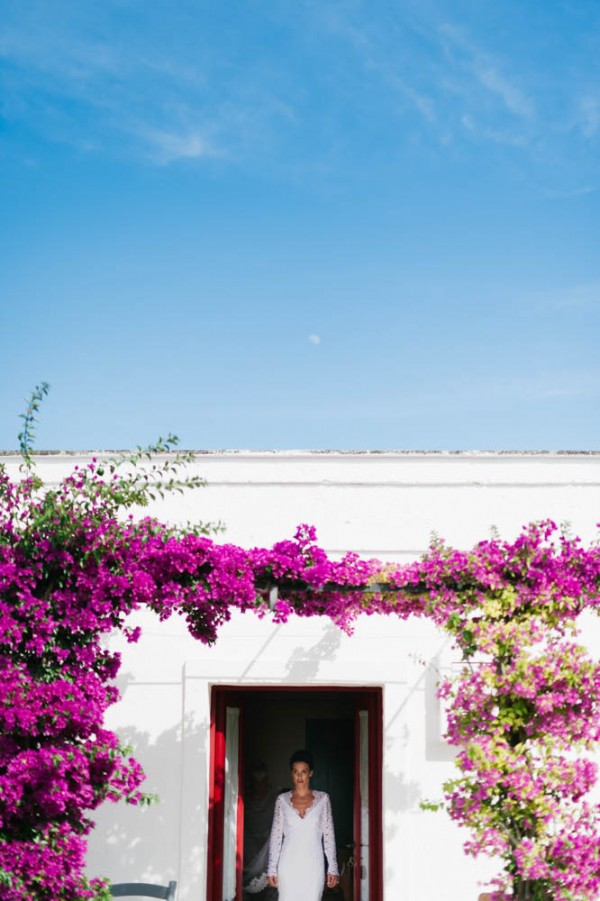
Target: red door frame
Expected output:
[219,702]
[372,701]
[223,696]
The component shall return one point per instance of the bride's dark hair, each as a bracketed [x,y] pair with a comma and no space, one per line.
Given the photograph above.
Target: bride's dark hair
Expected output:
[302,756]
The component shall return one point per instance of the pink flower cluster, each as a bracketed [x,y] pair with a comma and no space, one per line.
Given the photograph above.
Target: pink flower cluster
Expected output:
[527,700]
[72,568]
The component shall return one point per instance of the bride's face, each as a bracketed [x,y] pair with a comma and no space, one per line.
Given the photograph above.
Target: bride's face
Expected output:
[301,774]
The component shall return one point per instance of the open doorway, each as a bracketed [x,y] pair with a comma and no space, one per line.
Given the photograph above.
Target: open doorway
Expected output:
[253,732]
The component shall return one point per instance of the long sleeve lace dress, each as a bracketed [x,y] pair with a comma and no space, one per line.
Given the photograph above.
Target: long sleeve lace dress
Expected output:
[296,847]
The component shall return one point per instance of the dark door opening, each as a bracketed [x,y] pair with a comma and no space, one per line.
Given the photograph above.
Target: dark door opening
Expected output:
[333,743]
[253,733]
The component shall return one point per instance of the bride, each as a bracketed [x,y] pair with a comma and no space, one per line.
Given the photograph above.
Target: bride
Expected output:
[302,827]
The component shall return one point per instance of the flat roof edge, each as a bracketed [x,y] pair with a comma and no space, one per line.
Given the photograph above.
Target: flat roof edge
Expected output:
[320,453]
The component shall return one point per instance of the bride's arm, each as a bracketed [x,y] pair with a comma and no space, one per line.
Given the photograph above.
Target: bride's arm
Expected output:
[275,843]
[329,840]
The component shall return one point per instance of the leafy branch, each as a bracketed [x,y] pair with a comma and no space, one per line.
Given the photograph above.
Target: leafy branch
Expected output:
[29,417]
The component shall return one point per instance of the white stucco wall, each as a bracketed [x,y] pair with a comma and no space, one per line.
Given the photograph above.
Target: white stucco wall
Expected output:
[384,505]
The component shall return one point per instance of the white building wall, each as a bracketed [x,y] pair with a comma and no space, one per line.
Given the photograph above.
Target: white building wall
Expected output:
[384,505]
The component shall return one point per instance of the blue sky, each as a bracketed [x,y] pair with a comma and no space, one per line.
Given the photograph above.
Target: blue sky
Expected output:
[298,224]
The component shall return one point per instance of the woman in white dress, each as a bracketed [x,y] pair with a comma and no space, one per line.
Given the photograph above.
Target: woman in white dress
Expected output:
[302,828]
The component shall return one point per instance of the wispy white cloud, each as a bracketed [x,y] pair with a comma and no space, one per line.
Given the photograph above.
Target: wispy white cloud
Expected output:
[589,116]
[514,99]
[507,136]
[169,146]
[135,91]
[195,88]
[314,339]
[565,193]
[569,297]
[551,385]
[420,101]
[520,389]
[488,72]
[369,43]
[440,71]
[62,55]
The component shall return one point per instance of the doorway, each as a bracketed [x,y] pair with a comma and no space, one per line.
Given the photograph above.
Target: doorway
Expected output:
[253,732]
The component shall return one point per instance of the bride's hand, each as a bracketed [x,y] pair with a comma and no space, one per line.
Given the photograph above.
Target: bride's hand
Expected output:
[332,880]
[272,880]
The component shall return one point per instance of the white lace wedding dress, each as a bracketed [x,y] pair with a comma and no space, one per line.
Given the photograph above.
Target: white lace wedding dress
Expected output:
[296,847]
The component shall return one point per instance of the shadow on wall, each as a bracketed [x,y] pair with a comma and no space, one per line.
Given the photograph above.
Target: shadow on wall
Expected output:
[304,663]
[400,796]
[143,844]
[436,747]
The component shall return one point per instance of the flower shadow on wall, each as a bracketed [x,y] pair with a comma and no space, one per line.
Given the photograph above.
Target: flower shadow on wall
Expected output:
[142,845]
[304,663]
